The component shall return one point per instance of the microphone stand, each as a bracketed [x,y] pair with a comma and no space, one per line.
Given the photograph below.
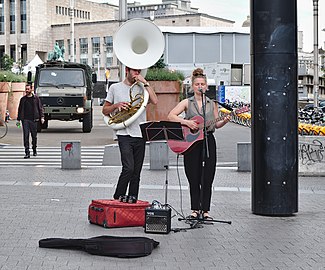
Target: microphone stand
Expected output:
[205,154]
[205,148]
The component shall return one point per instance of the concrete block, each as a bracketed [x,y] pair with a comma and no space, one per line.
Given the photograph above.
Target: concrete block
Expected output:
[112,156]
[244,156]
[70,155]
[158,155]
[311,155]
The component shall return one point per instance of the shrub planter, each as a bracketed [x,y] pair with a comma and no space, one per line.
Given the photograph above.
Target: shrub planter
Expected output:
[168,97]
[16,92]
[4,90]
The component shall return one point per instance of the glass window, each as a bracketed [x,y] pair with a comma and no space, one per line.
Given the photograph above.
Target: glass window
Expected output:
[227,48]
[69,47]
[2,51]
[95,61]
[12,17]
[206,48]
[108,42]
[96,45]
[109,61]
[60,43]
[83,45]
[236,74]
[23,16]
[2,18]
[84,61]
[180,48]
[13,52]
[58,78]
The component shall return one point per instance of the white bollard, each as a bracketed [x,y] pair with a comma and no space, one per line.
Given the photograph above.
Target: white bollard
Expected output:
[244,156]
[158,155]
[70,155]
[112,156]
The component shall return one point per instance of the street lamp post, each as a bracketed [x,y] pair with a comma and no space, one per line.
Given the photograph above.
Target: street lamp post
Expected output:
[323,58]
[152,13]
[71,31]
[316,76]
[98,64]
[123,15]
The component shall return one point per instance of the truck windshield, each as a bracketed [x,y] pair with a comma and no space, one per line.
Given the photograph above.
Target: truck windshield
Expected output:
[64,77]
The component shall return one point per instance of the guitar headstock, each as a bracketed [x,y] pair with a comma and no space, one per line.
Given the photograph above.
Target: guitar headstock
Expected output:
[242,110]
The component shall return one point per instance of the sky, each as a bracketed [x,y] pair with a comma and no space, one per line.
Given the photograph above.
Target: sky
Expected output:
[238,10]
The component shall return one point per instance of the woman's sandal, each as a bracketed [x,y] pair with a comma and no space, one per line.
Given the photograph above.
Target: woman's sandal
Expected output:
[193,215]
[206,216]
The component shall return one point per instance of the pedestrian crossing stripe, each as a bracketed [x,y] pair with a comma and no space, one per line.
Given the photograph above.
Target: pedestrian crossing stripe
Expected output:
[91,156]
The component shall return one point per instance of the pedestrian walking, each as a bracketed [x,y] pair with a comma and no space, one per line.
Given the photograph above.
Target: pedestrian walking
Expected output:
[30,112]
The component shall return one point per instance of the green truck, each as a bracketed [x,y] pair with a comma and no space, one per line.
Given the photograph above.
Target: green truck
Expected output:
[65,90]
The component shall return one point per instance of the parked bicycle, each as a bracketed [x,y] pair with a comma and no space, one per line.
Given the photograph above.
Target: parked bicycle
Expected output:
[3,128]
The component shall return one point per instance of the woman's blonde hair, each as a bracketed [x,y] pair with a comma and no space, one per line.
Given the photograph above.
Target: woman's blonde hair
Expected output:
[198,73]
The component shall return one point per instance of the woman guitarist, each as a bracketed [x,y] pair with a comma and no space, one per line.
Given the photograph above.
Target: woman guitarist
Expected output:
[199,166]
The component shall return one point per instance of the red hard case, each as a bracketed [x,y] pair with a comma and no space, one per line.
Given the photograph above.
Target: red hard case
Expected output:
[113,213]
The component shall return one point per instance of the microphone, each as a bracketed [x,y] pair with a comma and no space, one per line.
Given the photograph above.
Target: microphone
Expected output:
[201,90]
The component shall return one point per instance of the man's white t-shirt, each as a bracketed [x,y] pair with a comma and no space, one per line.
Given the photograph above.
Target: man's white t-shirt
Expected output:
[120,92]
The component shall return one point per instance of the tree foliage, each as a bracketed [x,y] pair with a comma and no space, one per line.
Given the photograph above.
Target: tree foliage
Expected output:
[159,64]
[6,62]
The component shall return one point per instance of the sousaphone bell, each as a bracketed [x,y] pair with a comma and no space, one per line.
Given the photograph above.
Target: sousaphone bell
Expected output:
[138,44]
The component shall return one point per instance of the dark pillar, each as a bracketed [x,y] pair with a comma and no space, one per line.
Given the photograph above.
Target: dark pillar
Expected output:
[274,107]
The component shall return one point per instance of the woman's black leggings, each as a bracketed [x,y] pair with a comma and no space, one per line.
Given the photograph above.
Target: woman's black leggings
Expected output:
[201,183]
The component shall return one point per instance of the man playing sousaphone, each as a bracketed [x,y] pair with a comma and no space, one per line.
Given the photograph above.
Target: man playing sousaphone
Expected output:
[130,141]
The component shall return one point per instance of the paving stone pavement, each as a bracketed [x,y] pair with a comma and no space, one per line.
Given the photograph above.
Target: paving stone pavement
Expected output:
[37,202]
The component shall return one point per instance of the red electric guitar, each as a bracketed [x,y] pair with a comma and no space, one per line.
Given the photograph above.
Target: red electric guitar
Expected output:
[191,137]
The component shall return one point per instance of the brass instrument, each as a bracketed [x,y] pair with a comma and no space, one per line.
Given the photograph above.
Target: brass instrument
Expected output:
[119,119]
[138,44]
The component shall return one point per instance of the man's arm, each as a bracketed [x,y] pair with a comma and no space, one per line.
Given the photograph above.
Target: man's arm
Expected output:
[152,95]
[40,109]
[108,107]
[19,110]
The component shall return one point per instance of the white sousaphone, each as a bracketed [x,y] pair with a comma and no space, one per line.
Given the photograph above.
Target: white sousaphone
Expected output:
[138,44]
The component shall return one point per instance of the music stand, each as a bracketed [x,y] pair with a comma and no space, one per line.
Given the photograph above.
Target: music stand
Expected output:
[162,131]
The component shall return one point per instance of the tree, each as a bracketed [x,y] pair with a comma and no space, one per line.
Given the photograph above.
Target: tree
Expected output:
[6,62]
[159,64]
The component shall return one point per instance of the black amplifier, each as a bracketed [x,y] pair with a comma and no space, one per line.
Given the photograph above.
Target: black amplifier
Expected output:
[158,220]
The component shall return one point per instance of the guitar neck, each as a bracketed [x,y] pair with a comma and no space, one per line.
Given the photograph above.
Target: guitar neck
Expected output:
[214,121]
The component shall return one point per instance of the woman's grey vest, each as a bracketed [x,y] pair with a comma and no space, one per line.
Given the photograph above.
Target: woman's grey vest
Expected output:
[193,110]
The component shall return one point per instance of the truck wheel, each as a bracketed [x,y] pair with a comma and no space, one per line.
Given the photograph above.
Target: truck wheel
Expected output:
[87,122]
